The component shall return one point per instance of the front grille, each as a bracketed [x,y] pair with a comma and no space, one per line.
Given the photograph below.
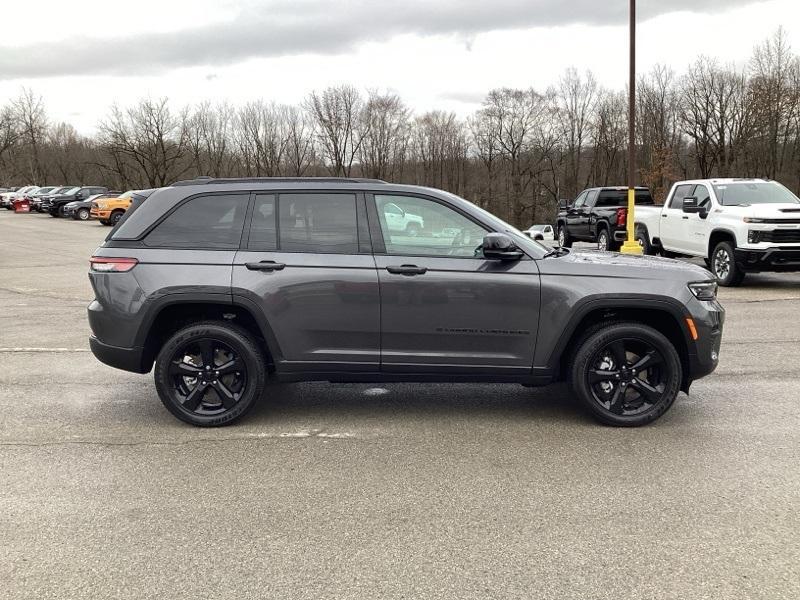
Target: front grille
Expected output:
[780,236]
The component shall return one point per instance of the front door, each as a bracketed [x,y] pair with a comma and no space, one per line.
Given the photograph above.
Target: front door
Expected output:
[444,308]
[674,221]
[314,277]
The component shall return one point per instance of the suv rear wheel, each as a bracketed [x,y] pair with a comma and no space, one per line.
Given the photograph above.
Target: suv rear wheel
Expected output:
[723,265]
[626,374]
[210,374]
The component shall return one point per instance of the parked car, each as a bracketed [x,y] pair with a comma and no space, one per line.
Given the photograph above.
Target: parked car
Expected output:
[541,233]
[80,209]
[54,205]
[7,199]
[737,225]
[598,215]
[109,210]
[225,284]
[38,197]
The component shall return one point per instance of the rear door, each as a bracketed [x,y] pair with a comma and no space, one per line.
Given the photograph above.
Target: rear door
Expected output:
[672,231]
[307,263]
[445,308]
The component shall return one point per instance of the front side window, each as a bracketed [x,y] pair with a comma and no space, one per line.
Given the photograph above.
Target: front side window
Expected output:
[205,222]
[423,227]
[590,198]
[703,196]
[323,223]
[579,201]
[681,192]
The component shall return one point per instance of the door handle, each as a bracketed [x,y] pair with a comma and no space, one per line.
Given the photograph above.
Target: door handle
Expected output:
[686,218]
[407,270]
[663,216]
[265,265]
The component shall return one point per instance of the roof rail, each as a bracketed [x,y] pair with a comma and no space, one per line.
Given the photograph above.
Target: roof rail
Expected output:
[203,180]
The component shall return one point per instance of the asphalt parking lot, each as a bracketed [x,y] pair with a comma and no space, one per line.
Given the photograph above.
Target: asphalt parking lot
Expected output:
[402,491]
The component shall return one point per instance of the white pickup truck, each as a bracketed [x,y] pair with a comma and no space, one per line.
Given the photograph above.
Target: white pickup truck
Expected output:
[736,225]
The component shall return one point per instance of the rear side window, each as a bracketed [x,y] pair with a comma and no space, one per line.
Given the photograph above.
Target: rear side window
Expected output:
[263,235]
[620,198]
[204,222]
[324,223]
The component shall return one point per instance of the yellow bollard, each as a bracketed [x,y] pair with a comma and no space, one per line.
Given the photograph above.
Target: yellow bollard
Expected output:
[631,246]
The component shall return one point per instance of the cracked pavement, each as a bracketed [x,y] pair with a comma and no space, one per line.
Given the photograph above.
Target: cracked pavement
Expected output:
[397,491]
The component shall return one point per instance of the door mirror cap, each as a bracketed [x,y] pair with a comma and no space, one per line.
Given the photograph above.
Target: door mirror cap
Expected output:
[499,246]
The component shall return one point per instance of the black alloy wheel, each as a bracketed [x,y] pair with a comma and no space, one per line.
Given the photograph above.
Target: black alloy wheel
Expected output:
[210,374]
[116,216]
[627,374]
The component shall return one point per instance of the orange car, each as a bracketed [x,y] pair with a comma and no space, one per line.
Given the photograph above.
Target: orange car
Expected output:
[110,210]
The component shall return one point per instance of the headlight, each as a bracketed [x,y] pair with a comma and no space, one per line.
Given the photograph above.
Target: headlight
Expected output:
[753,220]
[704,290]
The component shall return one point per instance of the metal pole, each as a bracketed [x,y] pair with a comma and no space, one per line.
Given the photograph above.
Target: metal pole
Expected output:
[631,246]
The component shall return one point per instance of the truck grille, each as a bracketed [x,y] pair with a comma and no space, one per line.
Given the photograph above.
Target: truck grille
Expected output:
[780,235]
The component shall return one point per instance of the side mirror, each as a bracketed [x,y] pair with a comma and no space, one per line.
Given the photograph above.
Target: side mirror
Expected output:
[498,246]
[691,206]
[563,205]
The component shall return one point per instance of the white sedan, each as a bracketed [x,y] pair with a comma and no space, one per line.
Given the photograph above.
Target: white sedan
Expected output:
[541,233]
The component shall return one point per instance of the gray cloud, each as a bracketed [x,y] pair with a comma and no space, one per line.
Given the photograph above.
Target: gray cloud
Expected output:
[289,27]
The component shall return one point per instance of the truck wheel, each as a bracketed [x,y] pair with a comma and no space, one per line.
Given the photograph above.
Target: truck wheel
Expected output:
[603,240]
[116,216]
[626,374]
[412,230]
[210,374]
[644,241]
[564,239]
[724,267]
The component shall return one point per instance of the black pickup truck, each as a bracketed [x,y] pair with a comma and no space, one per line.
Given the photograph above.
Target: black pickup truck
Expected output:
[598,215]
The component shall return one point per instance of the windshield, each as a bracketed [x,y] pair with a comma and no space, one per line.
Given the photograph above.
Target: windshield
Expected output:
[756,192]
[70,191]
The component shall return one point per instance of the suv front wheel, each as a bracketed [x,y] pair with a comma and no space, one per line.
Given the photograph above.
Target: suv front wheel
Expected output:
[626,374]
[210,373]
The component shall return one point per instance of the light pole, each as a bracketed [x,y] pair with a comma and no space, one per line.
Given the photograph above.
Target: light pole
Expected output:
[631,246]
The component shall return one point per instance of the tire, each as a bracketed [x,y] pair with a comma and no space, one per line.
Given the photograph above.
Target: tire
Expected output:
[54,212]
[182,394]
[644,241]
[115,217]
[82,214]
[630,400]
[724,267]
[564,239]
[603,240]
[413,230]
[104,222]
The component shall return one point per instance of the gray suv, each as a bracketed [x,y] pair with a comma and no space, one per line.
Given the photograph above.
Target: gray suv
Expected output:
[228,284]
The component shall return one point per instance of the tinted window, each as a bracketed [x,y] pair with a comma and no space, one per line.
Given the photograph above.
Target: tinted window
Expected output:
[203,222]
[681,192]
[579,201]
[262,228]
[590,198]
[418,226]
[318,223]
[620,197]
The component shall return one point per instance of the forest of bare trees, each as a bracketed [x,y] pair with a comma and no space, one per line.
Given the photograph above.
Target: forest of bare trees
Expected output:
[516,156]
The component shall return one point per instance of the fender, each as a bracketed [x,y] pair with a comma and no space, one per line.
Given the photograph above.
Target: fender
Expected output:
[724,230]
[592,303]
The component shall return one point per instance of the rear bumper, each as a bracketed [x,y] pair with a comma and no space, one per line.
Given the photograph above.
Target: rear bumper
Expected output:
[127,359]
[770,259]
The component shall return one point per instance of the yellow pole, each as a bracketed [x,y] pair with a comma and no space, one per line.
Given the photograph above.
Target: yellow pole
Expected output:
[631,246]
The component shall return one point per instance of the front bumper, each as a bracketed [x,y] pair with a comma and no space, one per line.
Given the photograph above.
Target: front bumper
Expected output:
[704,353]
[782,258]
[96,213]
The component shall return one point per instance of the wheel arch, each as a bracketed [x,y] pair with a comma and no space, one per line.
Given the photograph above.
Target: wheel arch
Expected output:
[719,235]
[663,315]
[175,311]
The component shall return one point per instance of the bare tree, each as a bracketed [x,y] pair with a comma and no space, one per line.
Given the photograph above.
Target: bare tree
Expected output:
[385,125]
[31,118]
[337,113]
[577,97]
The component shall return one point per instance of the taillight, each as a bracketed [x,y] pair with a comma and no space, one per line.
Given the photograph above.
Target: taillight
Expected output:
[103,264]
[622,217]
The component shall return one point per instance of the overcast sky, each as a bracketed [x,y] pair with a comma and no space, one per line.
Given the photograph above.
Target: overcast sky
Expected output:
[83,55]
